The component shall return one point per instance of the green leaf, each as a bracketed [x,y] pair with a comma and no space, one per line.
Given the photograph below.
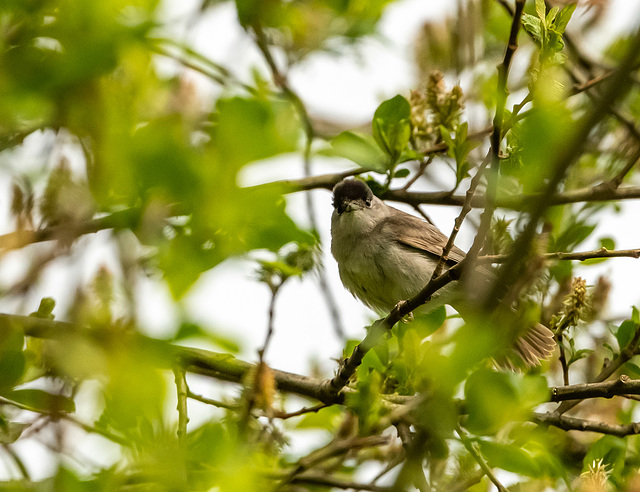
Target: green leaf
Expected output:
[42,400]
[564,16]
[533,26]
[12,367]
[541,9]
[349,348]
[635,315]
[361,149]
[490,401]
[608,243]
[625,332]
[189,330]
[631,368]
[551,15]
[402,173]
[193,330]
[392,127]
[509,457]
[427,324]
[458,148]
[579,354]
[11,431]
[372,360]
[251,129]
[365,402]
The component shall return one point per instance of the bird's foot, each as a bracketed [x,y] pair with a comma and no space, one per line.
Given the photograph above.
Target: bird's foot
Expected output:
[407,317]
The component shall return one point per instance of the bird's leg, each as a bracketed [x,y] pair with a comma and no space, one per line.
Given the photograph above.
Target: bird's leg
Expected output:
[408,317]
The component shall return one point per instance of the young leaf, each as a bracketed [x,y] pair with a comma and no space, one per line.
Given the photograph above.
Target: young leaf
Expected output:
[361,149]
[533,26]
[541,9]
[564,16]
[392,127]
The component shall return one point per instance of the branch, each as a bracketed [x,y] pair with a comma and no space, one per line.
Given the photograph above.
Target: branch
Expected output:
[621,386]
[210,401]
[464,438]
[572,423]
[329,481]
[118,220]
[382,326]
[129,218]
[566,156]
[496,136]
[182,391]
[337,447]
[297,413]
[598,193]
[578,256]
[625,354]
[221,366]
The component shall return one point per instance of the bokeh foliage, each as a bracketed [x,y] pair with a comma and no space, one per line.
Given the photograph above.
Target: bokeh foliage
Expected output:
[161,166]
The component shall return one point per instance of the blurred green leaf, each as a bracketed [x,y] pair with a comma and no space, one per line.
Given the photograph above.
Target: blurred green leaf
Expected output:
[490,401]
[427,324]
[10,432]
[509,457]
[495,398]
[326,418]
[41,400]
[625,332]
[361,149]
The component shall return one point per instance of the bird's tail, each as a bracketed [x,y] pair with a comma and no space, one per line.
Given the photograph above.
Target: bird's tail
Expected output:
[533,346]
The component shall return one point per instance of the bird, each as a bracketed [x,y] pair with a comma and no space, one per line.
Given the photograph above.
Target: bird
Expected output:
[386,256]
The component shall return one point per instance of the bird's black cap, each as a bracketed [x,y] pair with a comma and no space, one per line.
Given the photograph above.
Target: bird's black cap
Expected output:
[349,190]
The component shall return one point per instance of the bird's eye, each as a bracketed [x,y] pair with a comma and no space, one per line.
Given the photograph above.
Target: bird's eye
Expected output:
[368,203]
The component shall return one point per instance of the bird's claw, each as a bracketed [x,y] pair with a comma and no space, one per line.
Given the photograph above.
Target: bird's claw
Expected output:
[406,318]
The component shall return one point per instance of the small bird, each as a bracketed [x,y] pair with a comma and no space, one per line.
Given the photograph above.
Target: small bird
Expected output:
[386,256]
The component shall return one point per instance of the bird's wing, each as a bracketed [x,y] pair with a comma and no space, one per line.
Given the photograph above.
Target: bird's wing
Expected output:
[417,234]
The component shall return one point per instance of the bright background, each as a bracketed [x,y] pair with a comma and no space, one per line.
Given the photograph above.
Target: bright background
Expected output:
[228,299]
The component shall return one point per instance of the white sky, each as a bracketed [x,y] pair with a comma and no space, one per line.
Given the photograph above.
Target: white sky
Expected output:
[228,299]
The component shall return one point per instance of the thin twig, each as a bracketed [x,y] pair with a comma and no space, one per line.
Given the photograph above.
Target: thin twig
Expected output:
[24,472]
[566,156]
[332,481]
[616,181]
[281,81]
[496,134]
[475,454]
[210,401]
[337,447]
[577,256]
[302,411]
[182,391]
[466,208]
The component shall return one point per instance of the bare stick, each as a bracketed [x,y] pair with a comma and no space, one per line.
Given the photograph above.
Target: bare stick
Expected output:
[183,391]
